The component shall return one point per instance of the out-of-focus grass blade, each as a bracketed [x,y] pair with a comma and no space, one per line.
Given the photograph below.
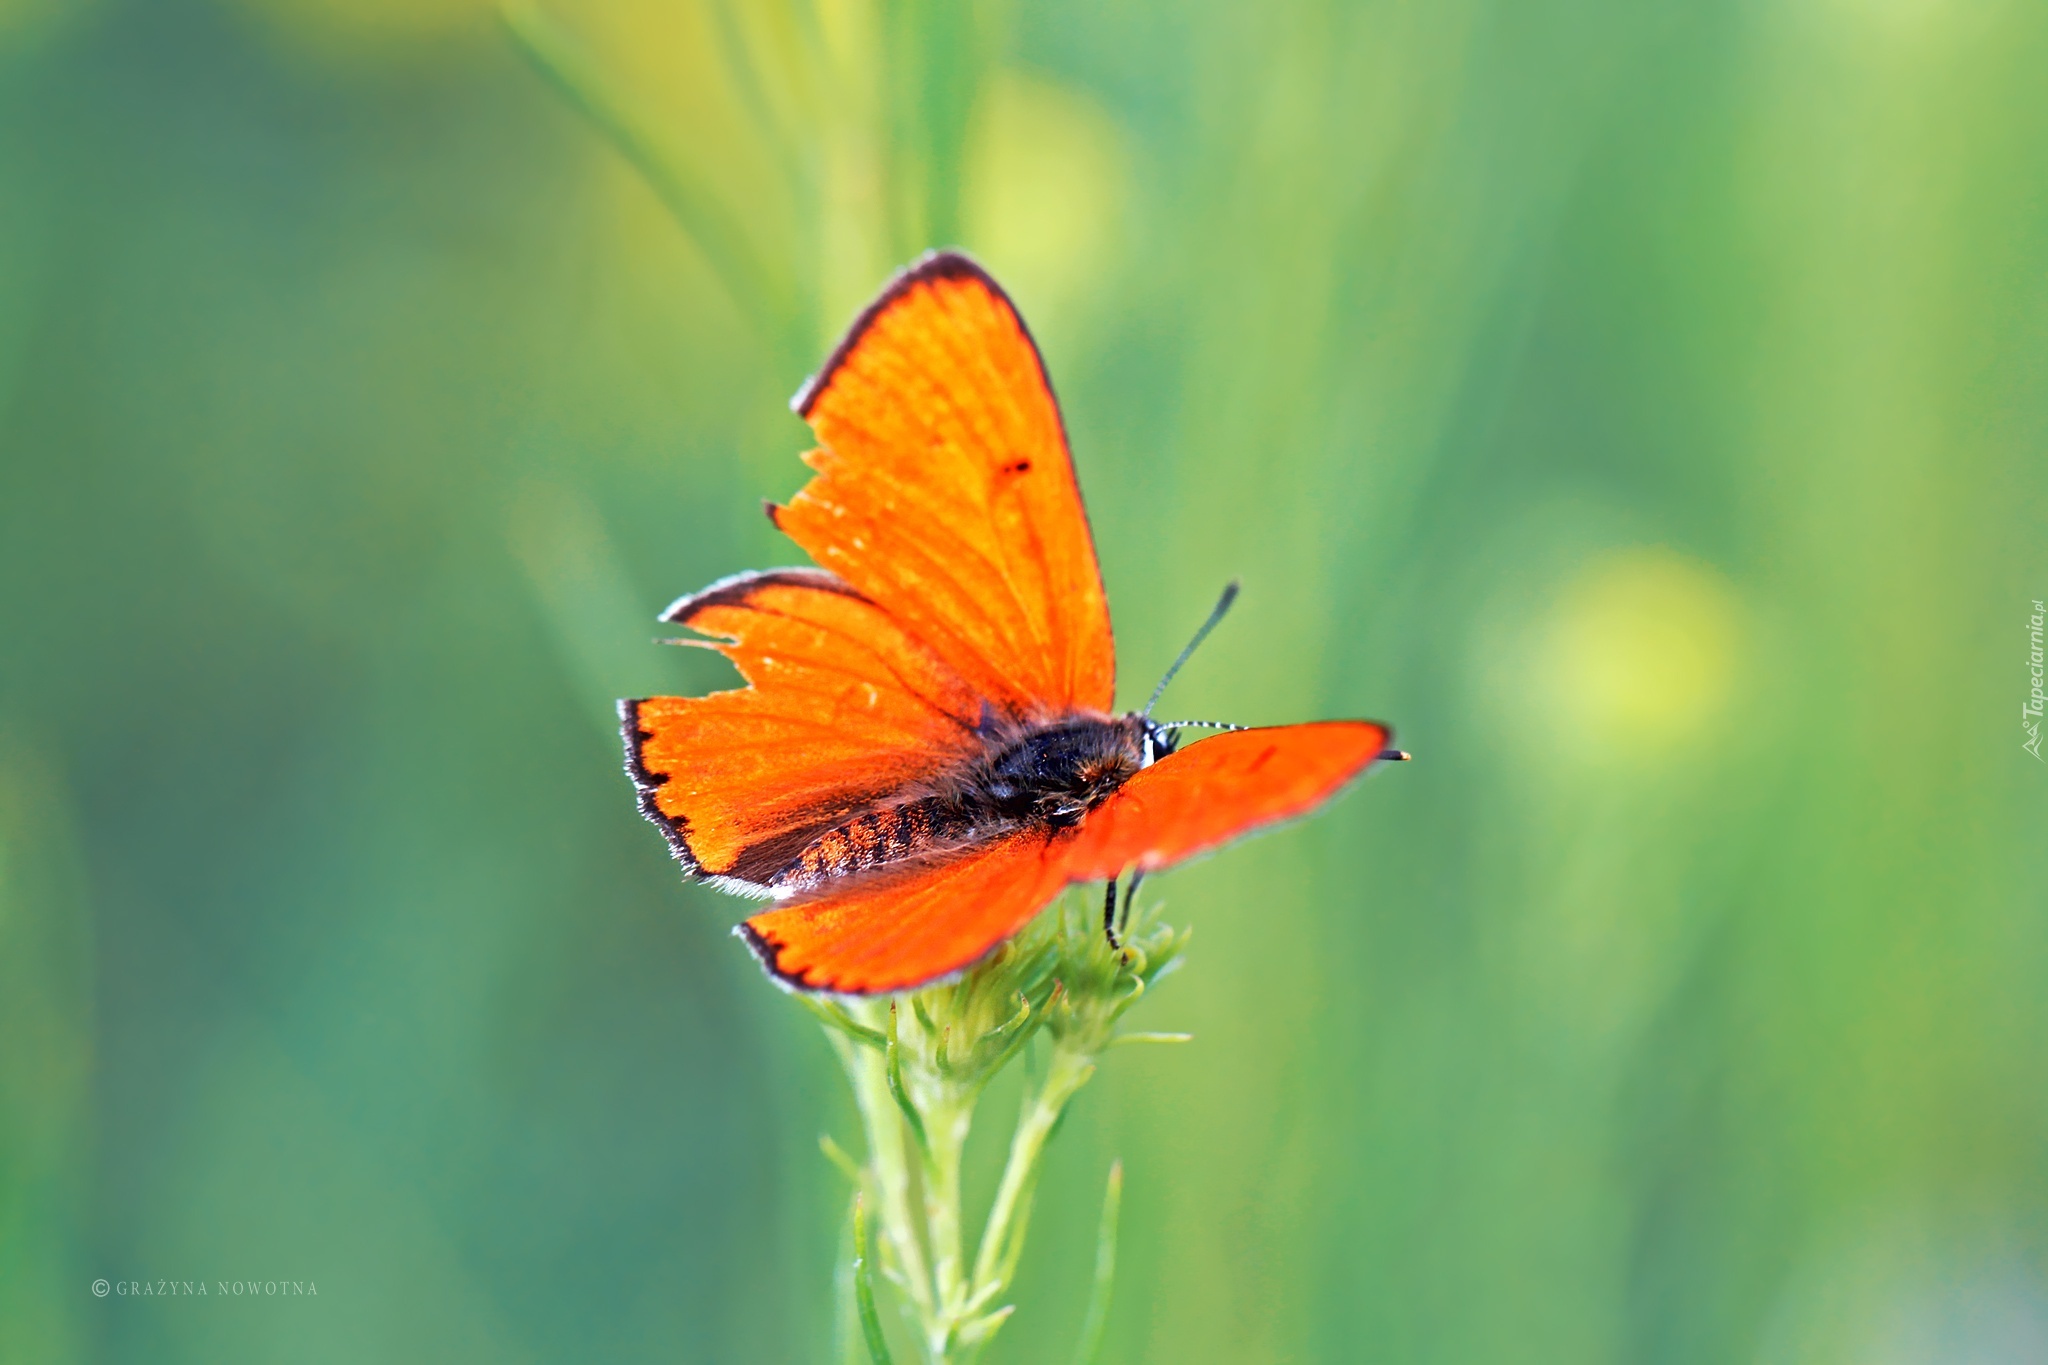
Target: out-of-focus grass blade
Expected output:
[761,291]
[1097,1321]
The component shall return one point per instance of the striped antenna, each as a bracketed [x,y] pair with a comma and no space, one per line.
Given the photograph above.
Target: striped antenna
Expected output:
[1215,615]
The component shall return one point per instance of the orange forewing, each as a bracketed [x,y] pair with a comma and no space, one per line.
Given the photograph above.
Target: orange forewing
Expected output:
[945,494]
[1212,792]
[893,933]
[844,707]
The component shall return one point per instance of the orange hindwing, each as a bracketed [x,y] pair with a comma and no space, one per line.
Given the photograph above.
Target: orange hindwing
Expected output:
[843,707]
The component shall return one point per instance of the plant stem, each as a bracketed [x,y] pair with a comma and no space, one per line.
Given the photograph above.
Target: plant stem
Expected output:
[1097,1322]
[864,1289]
[887,1162]
[1068,1071]
[947,1135]
[919,1064]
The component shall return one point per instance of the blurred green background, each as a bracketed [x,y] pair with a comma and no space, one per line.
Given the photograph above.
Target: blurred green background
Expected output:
[1643,406]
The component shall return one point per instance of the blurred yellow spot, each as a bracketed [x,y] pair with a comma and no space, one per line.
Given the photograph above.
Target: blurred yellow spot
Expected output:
[1640,651]
[1048,182]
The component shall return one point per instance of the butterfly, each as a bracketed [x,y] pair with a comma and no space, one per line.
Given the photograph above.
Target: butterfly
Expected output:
[926,750]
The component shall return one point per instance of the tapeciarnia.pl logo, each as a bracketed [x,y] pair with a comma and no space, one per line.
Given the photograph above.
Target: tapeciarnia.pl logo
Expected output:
[2030,711]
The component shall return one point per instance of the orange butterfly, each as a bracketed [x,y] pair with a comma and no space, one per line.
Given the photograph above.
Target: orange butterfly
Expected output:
[925,754]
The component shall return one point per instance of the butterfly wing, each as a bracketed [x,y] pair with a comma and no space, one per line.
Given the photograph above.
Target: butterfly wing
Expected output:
[944,492]
[894,933]
[844,707]
[1210,793]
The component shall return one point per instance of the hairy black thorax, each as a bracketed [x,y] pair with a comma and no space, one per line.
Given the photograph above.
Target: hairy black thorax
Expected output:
[1046,775]
[1056,772]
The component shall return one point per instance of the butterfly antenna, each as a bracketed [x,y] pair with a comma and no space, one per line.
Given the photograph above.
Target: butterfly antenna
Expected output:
[1215,615]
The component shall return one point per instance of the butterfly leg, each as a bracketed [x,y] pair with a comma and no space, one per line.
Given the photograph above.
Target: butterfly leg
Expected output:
[1131,894]
[1109,915]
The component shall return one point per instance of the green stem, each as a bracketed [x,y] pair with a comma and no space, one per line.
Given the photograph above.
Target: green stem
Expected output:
[920,1063]
[1097,1322]
[947,1137]
[888,1160]
[1007,1218]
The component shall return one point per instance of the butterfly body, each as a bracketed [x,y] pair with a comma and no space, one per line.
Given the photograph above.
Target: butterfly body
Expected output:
[1048,777]
[925,751]
[1055,773]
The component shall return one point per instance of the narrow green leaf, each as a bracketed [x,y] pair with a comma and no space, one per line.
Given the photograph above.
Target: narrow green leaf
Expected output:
[864,1288]
[1014,1022]
[1096,1324]
[837,1155]
[1022,1026]
[1152,1038]
[975,1334]
[834,1016]
[893,1070]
